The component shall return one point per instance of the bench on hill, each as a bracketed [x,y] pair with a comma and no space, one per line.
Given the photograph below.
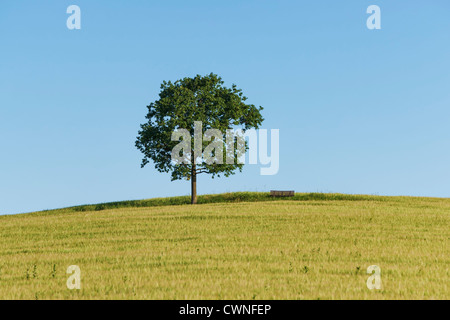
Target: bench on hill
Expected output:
[276,193]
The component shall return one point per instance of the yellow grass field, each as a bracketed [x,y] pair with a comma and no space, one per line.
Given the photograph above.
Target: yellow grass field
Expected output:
[288,249]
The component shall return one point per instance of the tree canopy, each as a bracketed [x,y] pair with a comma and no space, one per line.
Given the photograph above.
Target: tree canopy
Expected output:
[181,103]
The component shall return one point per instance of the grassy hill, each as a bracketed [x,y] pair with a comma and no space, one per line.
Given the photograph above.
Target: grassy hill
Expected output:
[231,246]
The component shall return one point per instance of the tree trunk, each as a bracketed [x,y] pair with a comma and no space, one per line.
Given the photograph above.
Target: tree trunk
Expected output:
[193,185]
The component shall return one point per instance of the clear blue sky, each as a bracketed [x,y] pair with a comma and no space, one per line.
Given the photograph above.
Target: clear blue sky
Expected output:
[359,111]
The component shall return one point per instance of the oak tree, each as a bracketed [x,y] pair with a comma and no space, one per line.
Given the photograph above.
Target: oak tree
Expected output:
[187,101]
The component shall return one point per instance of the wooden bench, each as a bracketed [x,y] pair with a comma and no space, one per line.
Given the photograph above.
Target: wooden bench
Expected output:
[276,193]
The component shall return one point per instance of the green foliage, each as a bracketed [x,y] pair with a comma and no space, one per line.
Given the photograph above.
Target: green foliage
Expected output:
[204,99]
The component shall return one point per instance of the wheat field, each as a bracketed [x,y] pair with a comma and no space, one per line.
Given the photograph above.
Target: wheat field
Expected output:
[318,248]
